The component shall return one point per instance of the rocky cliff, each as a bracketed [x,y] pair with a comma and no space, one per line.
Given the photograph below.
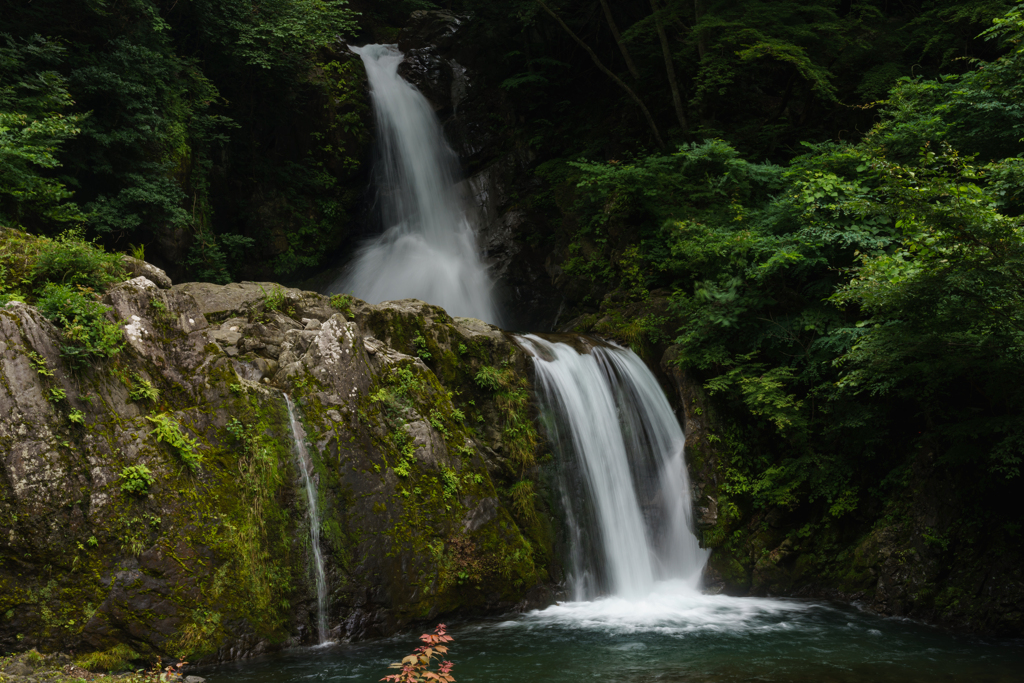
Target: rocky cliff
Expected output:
[152,499]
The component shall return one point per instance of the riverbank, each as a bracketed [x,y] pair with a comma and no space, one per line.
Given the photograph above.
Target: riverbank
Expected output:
[58,667]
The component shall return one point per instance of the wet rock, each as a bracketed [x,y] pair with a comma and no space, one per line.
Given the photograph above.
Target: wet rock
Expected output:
[480,515]
[155,564]
[707,512]
[429,444]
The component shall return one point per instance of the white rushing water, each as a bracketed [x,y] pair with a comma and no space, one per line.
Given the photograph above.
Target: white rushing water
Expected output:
[672,608]
[305,469]
[624,473]
[428,250]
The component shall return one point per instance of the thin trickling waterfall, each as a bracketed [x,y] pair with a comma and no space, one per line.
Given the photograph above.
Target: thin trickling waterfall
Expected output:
[305,467]
[428,250]
[624,476]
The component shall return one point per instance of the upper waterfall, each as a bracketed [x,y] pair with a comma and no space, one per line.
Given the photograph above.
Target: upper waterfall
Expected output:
[428,250]
[624,476]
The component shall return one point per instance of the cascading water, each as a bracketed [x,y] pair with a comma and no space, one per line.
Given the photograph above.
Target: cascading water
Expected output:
[624,474]
[305,466]
[428,250]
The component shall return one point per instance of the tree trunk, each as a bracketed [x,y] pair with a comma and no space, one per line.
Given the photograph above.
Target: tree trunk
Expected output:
[618,40]
[698,12]
[670,69]
[597,61]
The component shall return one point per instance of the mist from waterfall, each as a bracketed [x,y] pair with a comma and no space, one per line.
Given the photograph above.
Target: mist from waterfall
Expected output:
[428,250]
[623,474]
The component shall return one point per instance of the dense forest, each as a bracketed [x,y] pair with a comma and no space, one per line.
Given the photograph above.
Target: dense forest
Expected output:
[815,205]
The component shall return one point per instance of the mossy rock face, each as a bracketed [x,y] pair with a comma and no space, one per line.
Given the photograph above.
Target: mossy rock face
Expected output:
[209,559]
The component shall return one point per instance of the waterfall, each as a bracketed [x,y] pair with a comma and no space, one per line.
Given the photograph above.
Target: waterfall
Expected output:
[428,250]
[305,467]
[623,472]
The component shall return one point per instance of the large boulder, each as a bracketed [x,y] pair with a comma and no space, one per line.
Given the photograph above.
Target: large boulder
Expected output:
[154,499]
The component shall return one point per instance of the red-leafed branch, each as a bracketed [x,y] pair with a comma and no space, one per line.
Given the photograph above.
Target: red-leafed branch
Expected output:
[417,667]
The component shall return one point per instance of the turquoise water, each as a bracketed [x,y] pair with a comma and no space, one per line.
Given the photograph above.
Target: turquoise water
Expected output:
[674,635]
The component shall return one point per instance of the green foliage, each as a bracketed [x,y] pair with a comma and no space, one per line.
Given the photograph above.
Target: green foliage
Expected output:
[198,633]
[846,310]
[118,658]
[450,483]
[343,303]
[136,479]
[38,364]
[399,385]
[69,260]
[128,105]
[275,300]
[142,390]
[261,477]
[522,494]
[280,32]
[511,396]
[168,431]
[404,445]
[421,347]
[490,378]
[33,128]
[86,334]
[77,416]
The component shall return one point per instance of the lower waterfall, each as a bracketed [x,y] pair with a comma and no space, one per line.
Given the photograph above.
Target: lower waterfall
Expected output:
[623,474]
[305,469]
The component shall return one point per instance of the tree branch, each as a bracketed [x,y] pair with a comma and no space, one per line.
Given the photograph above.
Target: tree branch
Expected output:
[618,40]
[597,61]
[670,69]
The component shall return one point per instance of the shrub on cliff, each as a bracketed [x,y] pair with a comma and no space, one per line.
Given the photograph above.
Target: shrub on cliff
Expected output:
[86,334]
[70,260]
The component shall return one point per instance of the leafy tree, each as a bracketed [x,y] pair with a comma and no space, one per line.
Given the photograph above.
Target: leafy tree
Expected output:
[849,309]
[155,92]
[33,128]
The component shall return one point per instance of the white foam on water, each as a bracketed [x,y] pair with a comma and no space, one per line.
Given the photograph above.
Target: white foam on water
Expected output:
[672,608]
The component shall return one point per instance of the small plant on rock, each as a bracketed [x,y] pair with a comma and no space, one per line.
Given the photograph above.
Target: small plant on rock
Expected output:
[86,334]
[342,303]
[136,480]
[421,347]
[141,389]
[511,397]
[418,667]
[406,448]
[276,300]
[169,431]
[38,364]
